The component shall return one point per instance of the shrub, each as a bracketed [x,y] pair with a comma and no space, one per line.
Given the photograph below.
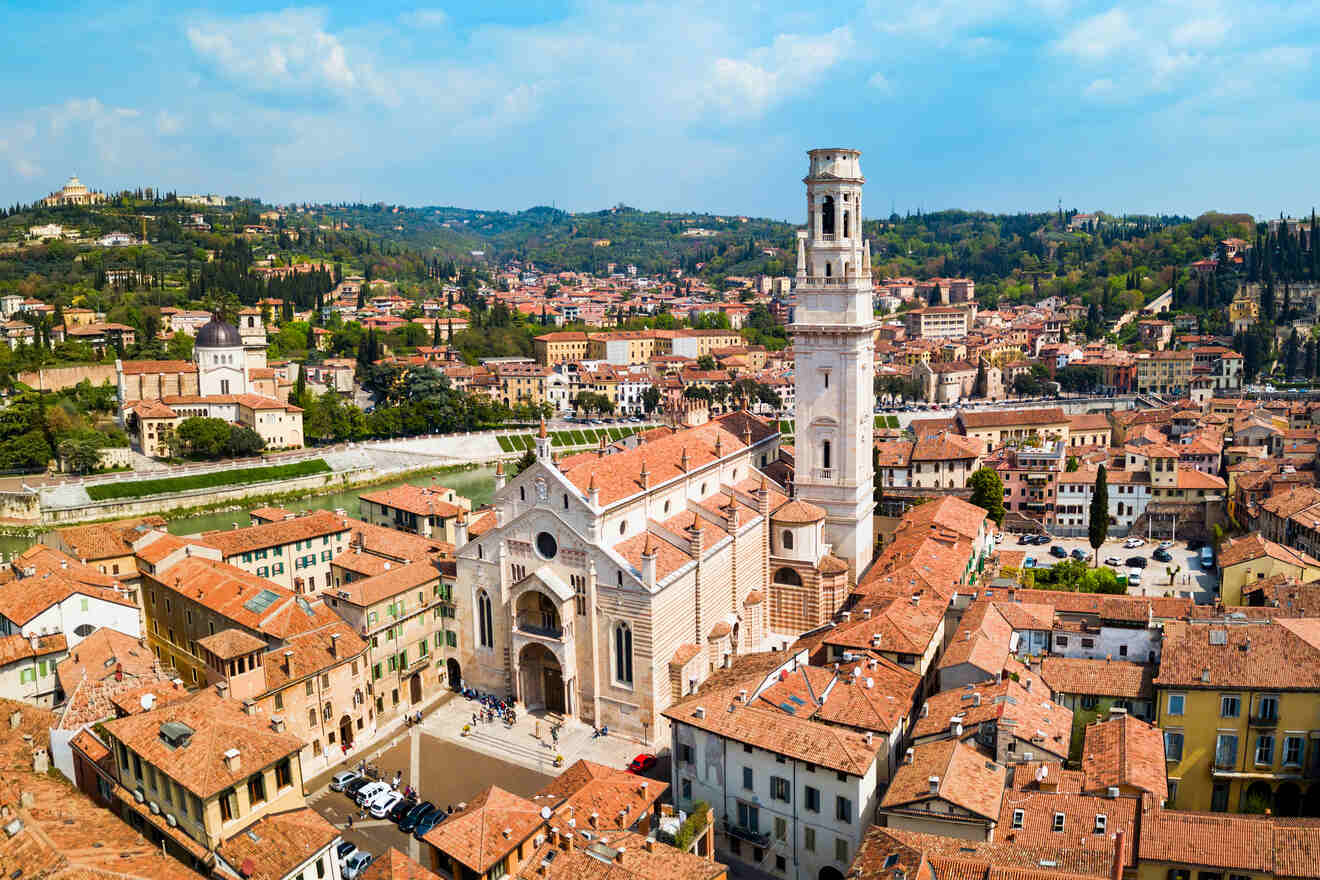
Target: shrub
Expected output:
[505,443]
[139,488]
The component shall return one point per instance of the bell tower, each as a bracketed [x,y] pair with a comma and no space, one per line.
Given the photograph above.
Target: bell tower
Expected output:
[834,353]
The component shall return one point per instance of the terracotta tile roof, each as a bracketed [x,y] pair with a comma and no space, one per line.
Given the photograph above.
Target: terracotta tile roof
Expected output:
[249,601]
[957,859]
[878,698]
[1253,546]
[237,541]
[1249,843]
[884,857]
[617,797]
[93,700]
[893,453]
[1188,478]
[277,843]
[668,558]
[36,582]
[360,563]
[399,546]
[798,512]
[896,624]
[218,725]
[945,446]
[19,647]
[133,368]
[394,865]
[962,776]
[1122,752]
[230,643]
[475,835]
[393,580]
[1006,418]
[1277,655]
[1097,421]
[1081,827]
[421,500]
[1281,595]
[1029,715]
[617,855]
[1104,678]
[774,730]
[309,653]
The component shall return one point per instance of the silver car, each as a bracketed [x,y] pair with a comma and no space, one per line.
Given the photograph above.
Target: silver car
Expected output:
[356,864]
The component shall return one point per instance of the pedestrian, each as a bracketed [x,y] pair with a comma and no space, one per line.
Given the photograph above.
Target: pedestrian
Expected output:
[350,821]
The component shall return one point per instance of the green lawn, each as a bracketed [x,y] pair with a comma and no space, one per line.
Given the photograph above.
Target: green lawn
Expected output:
[578,438]
[215,479]
[616,434]
[893,421]
[505,443]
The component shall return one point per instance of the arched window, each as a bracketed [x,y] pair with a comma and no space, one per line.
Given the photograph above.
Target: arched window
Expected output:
[827,216]
[623,656]
[828,272]
[623,527]
[788,576]
[485,624]
[522,493]
[845,224]
[787,539]
[825,454]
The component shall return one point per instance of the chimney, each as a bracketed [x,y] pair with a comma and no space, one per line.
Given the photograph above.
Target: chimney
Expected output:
[955,726]
[762,494]
[976,699]
[232,762]
[15,719]
[334,644]
[499,475]
[593,492]
[34,641]
[222,688]
[866,614]
[648,845]
[618,855]
[696,539]
[1026,684]
[119,672]
[250,706]
[460,529]
[648,562]
[719,446]
[699,712]
[742,695]
[907,756]
[646,476]
[1117,712]
[867,737]
[288,662]
[934,784]
[683,460]
[593,819]
[277,723]
[1120,855]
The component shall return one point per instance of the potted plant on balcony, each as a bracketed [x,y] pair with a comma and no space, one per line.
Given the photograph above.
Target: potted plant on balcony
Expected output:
[467,729]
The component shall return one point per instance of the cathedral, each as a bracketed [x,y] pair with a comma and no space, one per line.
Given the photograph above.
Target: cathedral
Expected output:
[606,586]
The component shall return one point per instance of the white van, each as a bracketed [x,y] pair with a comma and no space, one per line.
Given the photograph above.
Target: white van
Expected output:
[1207,557]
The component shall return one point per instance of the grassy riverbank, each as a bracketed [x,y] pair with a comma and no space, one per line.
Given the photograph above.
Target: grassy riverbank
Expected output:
[212,480]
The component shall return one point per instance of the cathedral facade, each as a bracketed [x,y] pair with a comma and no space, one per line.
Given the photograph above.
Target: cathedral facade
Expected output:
[607,586]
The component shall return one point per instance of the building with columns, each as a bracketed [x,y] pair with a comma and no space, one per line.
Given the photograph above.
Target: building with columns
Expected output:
[609,585]
[833,329]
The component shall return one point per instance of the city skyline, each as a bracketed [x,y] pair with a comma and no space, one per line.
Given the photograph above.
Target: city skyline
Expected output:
[981,106]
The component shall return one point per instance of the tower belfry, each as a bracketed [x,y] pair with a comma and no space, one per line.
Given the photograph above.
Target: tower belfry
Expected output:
[834,353]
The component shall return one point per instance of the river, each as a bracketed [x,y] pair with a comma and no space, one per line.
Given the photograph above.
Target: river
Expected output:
[477,484]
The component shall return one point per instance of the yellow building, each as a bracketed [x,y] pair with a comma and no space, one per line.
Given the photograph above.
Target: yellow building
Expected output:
[1165,372]
[521,383]
[1239,703]
[1177,845]
[558,348]
[624,347]
[1245,561]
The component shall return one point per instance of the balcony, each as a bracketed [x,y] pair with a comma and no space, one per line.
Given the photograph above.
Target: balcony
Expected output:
[822,473]
[1264,719]
[538,627]
[755,838]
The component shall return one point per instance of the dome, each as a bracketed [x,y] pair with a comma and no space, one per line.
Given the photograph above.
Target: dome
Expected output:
[218,334]
[798,513]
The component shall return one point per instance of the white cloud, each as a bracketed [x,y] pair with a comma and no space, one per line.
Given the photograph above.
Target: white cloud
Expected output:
[880,83]
[1100,36]
[291,50]
[1203,31]
[762,77]
[168,123]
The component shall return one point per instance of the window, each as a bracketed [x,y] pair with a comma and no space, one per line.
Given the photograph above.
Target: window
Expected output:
[311,718]
[309,687]
[685,786]
[320,869]
[685,754]
[1268,708]
[623,654]
[779,789]
[228,806]
[579,584]
[787,539]
[1101,820]
[840,850]
[809,839]
[749,817]
[279,702]
[1219,797]
[1230,705]
[813,799]
[748,781]
[1017,818]
[1173,745]
[781,863]
[1176,703]
[825,454]
[1265,749]
[781,828]
[1058,823]
[1293,747]
[283,774]
[843,809]
[1226,750]
[485,623]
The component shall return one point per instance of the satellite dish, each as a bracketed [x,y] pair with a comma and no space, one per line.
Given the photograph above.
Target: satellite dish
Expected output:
[147,701]
[545,812]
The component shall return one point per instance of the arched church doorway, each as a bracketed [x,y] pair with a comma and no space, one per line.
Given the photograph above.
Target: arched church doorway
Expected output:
[540,680]
[455,674]
[415,688]
[346,732]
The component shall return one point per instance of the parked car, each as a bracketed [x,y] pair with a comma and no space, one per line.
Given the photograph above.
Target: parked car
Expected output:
[1080,554]
[1137,562]
[356,864]
[1134,577]
[1113,561]
[1162,555]
[356,786]
[1133,542]
[1029,562]
[429,821]
[415,815]
[380,805]
[1058,552]
[641,763]
[1166,545]
[343,850]
[1195,544]
[401,809]
[1042,540]
[1026,539]
[368,792]
[342,779]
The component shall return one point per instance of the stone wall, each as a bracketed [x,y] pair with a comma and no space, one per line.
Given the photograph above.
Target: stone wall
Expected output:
[59,378]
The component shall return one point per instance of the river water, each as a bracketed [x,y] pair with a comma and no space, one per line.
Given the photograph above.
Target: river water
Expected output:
[478,484]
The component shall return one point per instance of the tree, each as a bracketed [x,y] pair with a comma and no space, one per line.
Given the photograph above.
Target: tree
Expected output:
[988,493]
[528,459]
[650,399]
[706,362]
[244,441]
[80,455]
[979,386]
[204,437]
[1098,527]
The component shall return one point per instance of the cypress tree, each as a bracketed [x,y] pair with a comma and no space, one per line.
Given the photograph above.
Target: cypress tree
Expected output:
[1098,527]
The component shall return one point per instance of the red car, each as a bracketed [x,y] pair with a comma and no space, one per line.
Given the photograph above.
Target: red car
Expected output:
[641,763]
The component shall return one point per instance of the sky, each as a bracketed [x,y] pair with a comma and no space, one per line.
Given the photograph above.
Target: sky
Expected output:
[684,105]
